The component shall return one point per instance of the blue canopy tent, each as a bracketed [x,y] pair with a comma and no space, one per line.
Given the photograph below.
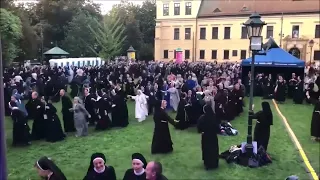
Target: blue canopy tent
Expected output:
[275,57]
[276,61]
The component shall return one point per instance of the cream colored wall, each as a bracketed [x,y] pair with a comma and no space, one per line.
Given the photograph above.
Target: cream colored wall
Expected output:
[306,24]
[165,32]
[164,37]
[194,9]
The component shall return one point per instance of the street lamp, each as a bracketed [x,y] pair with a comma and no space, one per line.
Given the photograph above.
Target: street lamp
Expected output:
[254,27]
[311,43]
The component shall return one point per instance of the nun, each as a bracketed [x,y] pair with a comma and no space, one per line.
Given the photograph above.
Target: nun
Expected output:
[48,170]
[21,131]
[54,132]
[79,115]
[209,127]
[141,106]
[262,129]
[315,122]
[161,141]
[137,172]
[98,170]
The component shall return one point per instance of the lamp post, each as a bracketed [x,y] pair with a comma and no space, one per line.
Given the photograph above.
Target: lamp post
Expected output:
[254,27]
[311,43]
[3,167]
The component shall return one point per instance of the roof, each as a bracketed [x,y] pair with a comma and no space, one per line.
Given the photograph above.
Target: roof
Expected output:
[275,57]
[56,51]
[214,8]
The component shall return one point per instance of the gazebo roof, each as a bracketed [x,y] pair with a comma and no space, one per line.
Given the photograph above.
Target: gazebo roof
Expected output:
[56,51]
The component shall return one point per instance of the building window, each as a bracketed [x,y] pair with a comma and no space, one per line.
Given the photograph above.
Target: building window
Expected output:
[295,31]
[244,33]
[316,55]
[176,8]
[187,33]
[202,33]
[215,32]
[188,8]
[176,34]
[226,32]
[166,10]
[165,54]
[214,54]
[234,53]
[174,54]
[202,54]
[317,31]
[187,54]
[226,54]
[269,31]
[243,54]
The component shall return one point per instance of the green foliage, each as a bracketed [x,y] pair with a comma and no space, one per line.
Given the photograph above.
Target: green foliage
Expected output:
[66,22]
[139,22]
[11,32]
[110,36]
[80,40]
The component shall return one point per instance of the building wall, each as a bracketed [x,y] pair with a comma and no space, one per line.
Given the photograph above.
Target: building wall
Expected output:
[195,5]
[165,25]
[164,39]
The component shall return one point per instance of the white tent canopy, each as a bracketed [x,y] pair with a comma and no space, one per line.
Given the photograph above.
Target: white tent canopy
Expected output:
[84,61]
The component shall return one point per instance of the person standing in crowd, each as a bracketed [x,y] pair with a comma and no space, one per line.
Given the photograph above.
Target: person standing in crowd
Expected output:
[280,90]
[89,105]
[102,108]
[21,131]
[182,120]
[119,110]
[209,127]
[262,128]
[297,91]
[67,116]
[137,172]
[48,170]
[39,124]
[53,128]
[141,106]
[174,96]
[161,141]
[98,170]
[79,115]
[154,171]
[315,122]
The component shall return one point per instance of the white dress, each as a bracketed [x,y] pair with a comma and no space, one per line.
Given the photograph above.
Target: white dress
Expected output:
[141,107]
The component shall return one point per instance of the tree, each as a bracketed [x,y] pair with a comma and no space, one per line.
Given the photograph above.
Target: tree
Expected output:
[54,16]
[11,32]
[79,38]
[110,36]
[146,17]
[28,43]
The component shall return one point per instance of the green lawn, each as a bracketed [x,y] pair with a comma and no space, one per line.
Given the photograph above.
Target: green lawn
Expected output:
[73,154]
[299,118]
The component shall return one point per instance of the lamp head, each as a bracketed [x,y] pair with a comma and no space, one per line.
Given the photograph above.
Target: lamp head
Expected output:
[254,25]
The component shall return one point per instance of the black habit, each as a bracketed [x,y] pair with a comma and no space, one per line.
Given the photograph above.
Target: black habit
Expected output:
[208,125]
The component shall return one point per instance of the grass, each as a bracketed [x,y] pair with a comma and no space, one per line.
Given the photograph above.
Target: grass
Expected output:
[73,154]
[299,117]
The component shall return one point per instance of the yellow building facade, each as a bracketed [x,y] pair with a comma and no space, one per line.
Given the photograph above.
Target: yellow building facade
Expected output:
[212,30]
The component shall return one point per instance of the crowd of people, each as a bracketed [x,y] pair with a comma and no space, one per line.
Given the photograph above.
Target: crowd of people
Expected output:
[204,95]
